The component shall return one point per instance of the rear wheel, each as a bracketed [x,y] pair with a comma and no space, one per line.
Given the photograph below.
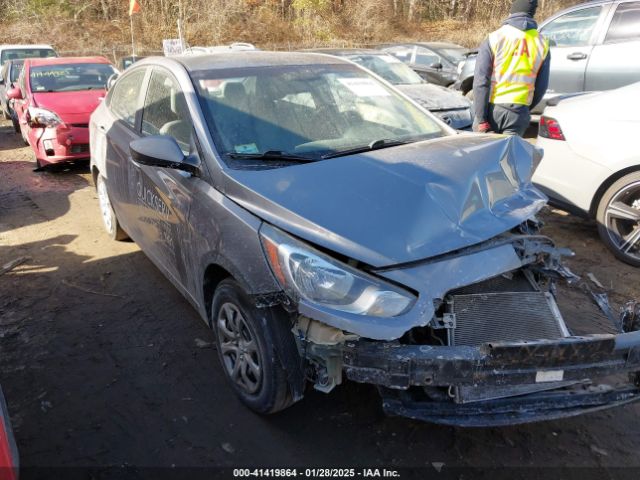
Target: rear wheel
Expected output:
[111,224]
[619,218]
[246,338]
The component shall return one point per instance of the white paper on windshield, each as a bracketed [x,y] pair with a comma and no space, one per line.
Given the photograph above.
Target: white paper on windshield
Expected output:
[364,87]
[248,148]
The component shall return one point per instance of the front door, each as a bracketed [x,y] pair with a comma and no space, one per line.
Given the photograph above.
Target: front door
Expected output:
[163,196]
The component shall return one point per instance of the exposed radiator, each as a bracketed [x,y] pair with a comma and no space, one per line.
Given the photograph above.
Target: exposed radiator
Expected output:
[505,316]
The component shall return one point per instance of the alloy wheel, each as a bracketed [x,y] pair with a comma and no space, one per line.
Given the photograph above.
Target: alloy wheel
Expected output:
[622,220]
[239,349]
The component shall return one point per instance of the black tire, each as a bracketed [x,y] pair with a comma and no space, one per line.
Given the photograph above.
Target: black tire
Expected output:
[618,222]
[109,219]
[270,391]
[16,124]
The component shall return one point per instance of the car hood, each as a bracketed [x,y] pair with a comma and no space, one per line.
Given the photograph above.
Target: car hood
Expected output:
[63,103]
[399,204]
[434,97]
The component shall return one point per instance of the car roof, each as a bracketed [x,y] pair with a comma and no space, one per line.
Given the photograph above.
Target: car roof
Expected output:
[433,45]
[38,46]
[247,59]
[35,62]
[340,52]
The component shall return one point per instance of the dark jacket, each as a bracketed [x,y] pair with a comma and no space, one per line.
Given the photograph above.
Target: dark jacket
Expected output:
[484,69]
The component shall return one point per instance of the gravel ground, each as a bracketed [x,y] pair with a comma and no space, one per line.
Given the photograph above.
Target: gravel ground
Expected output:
[104,364]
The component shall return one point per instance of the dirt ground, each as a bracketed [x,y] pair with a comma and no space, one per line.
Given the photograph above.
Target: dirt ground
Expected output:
[104,364]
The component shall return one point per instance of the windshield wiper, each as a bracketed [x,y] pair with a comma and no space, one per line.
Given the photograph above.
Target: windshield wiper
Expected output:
[375,145]
[272,155]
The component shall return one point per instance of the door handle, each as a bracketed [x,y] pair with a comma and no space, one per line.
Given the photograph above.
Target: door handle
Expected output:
[102,128]
[577,56]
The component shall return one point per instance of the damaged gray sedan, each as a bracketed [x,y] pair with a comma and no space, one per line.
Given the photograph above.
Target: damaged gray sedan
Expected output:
[327,228]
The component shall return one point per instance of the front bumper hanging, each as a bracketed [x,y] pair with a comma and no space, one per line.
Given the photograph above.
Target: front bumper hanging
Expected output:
[568,361]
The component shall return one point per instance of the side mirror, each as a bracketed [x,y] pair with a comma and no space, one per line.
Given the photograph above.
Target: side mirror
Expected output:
[111,80]
[162,151]
[15,94]
[436,66]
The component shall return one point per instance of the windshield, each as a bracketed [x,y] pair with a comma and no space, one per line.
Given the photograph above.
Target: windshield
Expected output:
[389,68]
[454,55]
[16,68]
[17,53]
[312,111]
[70,78]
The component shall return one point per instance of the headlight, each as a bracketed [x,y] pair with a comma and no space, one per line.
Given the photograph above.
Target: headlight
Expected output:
[460,66]
[304,272]
[39,117]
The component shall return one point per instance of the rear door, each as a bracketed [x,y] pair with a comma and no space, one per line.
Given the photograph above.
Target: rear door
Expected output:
[112,133]
[572,37]
[615,61]
[163,196]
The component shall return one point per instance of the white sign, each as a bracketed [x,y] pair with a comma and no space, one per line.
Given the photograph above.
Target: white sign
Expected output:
[172,46]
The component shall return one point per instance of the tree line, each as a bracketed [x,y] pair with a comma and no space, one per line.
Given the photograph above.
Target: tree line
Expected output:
[272,22]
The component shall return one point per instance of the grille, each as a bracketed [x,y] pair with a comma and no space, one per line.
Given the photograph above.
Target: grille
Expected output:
[508,316]
[80,125]
[80,148]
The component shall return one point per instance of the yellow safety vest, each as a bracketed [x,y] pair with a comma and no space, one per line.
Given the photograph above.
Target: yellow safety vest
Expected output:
[517,59]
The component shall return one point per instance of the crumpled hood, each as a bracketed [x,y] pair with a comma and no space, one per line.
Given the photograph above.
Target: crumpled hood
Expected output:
[70,103]
[435,97]
[399,204]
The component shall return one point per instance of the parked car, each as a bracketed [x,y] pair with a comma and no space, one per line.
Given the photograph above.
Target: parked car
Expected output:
[449,106]
[327,227]
[592,167]
[17,52]
[594,47]
[53,101]
[9,74]
[436,62]
[234,47]
[9,461]
[126,62]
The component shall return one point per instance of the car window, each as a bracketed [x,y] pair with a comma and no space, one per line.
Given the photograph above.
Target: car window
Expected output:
[310,111]
[165,110]
[17,53]
[402,52]
[16,68]
[625,24]
[123,100]
[72,77]
[426,57]
[573,28]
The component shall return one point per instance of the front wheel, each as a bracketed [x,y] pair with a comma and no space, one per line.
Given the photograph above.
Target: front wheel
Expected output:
[618,218]
[249,349]
[111,224]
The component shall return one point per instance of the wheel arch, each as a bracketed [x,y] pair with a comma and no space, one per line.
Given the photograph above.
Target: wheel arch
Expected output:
[213,275]
[467,85]
[593,210]
[94,175]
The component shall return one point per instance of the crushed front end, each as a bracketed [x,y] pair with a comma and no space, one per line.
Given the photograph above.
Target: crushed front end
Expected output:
[512,337]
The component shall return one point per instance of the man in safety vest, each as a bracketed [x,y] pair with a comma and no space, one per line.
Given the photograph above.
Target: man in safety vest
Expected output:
[512,73]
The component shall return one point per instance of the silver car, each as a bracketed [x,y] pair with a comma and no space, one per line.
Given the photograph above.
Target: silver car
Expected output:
[326,227]
[594,46]
[447,104]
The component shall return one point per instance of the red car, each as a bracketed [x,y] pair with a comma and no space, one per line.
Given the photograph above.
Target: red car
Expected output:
[8,452]
[54,100]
